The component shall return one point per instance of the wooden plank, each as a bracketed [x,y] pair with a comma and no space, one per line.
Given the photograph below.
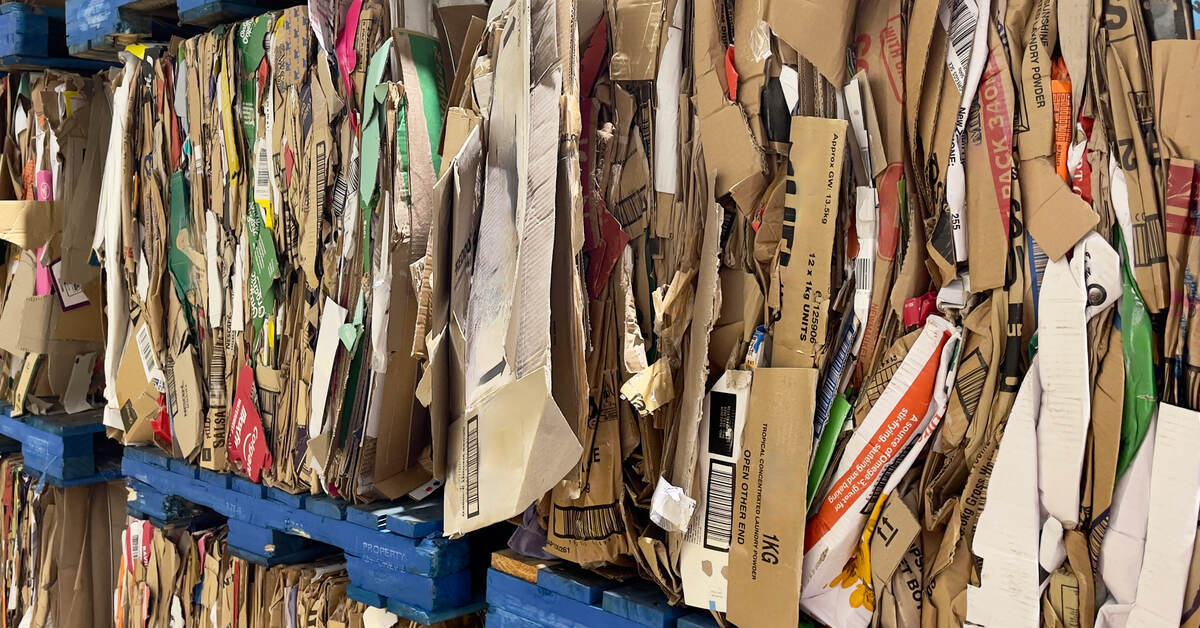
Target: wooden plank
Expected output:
[575,582]
[520,566]
[546,608]
[642,603]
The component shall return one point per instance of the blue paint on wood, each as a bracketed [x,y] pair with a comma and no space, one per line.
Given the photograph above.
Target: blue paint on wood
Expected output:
[326,507]
[545,607]
[699,619]
[244,486]
[63,448]
[417,519]
[370,598]
[427,577]
[427,618]
[575,583]
[642,604]
[295,500]
[499,618]
[422,592]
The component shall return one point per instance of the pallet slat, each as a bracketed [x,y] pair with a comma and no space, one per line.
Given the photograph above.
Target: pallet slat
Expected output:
[578,584]
[563,594]
[519,566]
[545,608]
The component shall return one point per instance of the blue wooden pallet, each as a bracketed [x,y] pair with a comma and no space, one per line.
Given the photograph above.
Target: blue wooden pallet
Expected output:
[99,29]
[34,38]
[213,12]
[569,596]
[67,449]
[395,551]
[697,620]
[428,556]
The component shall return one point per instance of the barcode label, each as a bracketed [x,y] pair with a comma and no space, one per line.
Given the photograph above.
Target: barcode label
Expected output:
[322,175]
[961,30]
[346,189]
[150,365]
[172,402]
[216,371]
[962,27]
[472,467]
[587,523]
[262,174]
[863,271]
[718,507]
[135,542]
[1149,245]
[339,194]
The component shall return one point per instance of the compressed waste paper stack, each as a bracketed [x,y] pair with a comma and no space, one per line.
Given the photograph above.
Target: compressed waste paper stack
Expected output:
[179,576]
[55,125]
[58,548]
[840,234]
[249,249]
[877,311]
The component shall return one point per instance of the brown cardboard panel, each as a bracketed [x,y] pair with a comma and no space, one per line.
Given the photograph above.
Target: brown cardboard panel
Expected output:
[766,557]
[1057,218]
[636,26]
[806,248]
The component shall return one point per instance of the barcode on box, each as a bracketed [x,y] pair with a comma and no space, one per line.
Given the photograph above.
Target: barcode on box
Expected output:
[1149,246]
[146,349]
[216,371]
[262,175]
[587,523]
[718,507]
[150,363]
[962,28]
[339,194]
[472,467]
[863,271]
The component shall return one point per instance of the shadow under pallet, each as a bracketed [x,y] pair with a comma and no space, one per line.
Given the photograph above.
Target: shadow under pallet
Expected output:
[395,555]
[566,595]
[66,449]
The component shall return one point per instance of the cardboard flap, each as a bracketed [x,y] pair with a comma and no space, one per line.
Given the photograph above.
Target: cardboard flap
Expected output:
[1056,217]
[506,457]
[818,30]
[1178,115]
[637,26]
[30,224]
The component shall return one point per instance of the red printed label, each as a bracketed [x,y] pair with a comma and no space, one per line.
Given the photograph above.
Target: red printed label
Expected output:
[247,440]
[1179,196]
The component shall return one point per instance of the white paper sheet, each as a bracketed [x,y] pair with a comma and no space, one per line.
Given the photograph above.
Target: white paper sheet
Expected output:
[1171,525]
[332,317]
[1007,536]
